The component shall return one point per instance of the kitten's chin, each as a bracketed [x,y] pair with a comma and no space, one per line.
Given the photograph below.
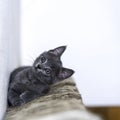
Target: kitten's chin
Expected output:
[36,73]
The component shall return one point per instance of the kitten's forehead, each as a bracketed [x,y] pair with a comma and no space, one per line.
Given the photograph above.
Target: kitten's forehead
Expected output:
[51,58]
[49,55]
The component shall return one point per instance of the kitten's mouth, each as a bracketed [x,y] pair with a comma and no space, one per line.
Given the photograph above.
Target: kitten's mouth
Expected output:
[38,76]
[36,73]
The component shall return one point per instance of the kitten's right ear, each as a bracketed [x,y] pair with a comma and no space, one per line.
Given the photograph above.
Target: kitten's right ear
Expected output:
[58,51]
[64,74]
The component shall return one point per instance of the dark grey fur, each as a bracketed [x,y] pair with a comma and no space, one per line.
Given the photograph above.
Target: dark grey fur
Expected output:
[30,82]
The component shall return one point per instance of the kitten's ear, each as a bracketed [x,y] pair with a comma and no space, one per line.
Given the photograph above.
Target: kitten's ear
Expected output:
[58,51]
[65,73]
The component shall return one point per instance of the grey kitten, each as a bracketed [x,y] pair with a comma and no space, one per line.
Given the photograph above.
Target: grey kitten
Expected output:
[29,82]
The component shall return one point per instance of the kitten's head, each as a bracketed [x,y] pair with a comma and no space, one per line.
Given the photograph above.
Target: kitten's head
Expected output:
[48,66]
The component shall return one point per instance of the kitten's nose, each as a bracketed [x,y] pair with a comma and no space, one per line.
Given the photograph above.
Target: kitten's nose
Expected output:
[38,66]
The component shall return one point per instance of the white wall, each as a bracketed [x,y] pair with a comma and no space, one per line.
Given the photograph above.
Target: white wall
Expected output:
[90,29]
[9,46]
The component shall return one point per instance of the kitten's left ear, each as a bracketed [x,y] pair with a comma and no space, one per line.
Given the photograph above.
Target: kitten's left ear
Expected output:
[65,73]
[58,51]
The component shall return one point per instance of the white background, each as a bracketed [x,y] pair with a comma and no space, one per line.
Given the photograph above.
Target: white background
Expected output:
[90,29]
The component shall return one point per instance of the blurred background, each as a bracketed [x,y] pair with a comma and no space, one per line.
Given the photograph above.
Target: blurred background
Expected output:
[91,31]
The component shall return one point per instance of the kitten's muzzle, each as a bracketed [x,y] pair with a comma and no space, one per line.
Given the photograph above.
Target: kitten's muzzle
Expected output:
[38,67]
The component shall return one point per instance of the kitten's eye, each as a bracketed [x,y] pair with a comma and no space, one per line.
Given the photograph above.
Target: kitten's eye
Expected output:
[48,71]
[43,59]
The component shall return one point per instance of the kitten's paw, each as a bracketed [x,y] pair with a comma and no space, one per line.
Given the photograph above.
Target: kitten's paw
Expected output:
[27,96]
[24,95]
[18,102]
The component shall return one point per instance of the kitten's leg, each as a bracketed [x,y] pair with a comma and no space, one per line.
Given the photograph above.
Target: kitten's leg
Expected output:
[14,98]
[28,96]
